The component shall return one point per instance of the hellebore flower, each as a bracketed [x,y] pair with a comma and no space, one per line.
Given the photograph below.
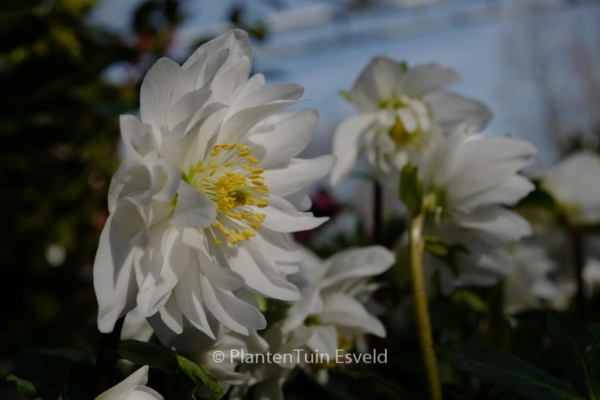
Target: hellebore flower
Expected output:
[401,111]
[531,284]
[574,184]
[468,180]
[208,188]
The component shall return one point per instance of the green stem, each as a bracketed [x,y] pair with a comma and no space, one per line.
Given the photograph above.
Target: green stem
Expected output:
[579,264]
[377,213]
[421,306]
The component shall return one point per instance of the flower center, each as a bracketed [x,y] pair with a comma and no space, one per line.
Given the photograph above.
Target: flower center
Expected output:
[411,120]
[235,187]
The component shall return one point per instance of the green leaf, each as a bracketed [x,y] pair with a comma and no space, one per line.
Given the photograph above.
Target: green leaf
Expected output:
[507,371]
[195,372]
[411,188]
[445,251]
[578,348]
[346,95]
[470,298]
[171,363]
[25,388]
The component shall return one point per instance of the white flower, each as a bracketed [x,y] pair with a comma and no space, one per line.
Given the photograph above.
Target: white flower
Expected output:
[531,284]
[332,308]
[223,356]
[132,388]
[334,294]
[574,184]
[207,190]
[401,111]
[267,379]
[467,182]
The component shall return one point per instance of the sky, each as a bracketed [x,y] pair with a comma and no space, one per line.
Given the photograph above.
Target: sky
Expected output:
[468,36]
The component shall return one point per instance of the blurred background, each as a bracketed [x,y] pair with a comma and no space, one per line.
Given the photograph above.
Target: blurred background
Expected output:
[68,68]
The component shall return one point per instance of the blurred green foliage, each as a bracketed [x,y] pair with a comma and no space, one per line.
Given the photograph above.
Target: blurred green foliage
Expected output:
[59,131]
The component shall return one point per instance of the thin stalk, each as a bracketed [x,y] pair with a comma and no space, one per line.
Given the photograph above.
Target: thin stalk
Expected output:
[377,213]
[421,306]
[106,359]
[579,263]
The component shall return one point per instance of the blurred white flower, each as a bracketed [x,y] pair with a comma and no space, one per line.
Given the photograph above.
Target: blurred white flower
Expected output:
[334,295]
[206,193]
[267,379]
[467,182]
[230,347]
[574,183]
[401,111]
[55,254]
[132,388]
[331,313]
[531,284]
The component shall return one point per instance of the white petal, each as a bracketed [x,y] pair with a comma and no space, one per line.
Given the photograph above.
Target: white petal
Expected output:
[189,296]
[184,108]
[309,303]
[483,164]
[193,209]
[123,390]
[408,119]
[354,263]
[236,127]
[229,80]
[347,312]
[254,83]
[185,146]
[220,277]
[214,64]
[172,316]
[498,222]
[508,193]
[131,181]
[156,91]
[575,184]
[269,94]
[297,175]
[176,261]
[451,110]
[324,340]
[165,180]
[253,262]
[281,216]
[145,393]
[137,136]
[281,247]
[347,144]
[427,78]
[376,82]
[236,41]
[114,280]
[286,138]
[233,313]
[190,340]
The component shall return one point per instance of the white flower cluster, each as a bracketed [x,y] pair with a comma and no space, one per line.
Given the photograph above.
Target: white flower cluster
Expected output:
[210,188]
